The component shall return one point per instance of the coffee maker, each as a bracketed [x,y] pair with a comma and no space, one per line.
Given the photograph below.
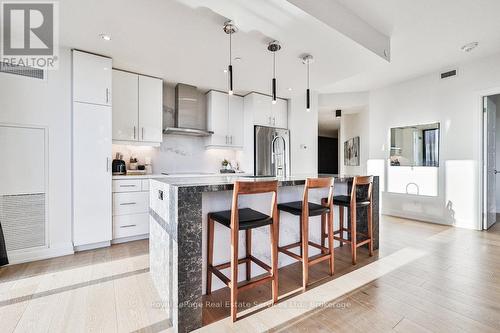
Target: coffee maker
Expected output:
[119,167]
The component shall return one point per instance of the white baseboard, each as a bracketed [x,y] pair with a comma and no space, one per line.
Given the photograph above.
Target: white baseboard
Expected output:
[21,256]
[414,216]
[129,239]
[92,246]
[59,250]
[430,219]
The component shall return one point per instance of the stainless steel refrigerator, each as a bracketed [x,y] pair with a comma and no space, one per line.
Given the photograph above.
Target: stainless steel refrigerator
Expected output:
[271,152]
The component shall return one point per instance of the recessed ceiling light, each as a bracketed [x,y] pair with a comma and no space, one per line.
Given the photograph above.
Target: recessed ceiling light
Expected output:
[105,37]
[225,70]
[290,89]
[469,47]
[238,59]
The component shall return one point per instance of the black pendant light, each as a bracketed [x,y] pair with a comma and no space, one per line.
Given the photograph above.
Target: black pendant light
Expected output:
[230,29]
[338,113]
[307,60]
[274,47]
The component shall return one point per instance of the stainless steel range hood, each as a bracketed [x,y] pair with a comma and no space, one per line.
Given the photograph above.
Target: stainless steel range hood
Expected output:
[190,119]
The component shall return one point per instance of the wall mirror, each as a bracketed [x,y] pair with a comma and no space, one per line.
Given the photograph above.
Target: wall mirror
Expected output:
[415,145]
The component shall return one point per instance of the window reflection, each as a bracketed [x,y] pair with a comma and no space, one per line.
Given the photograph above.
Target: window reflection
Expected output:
[415,145]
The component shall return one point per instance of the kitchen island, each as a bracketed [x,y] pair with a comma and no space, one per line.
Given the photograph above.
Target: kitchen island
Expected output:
[178,225]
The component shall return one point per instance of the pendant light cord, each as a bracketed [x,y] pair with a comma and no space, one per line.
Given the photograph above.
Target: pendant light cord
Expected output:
[308,75]
[230,48]
[274,64]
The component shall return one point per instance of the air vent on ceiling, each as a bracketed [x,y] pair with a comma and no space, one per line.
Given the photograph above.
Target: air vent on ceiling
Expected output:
[31,72]
[448,74]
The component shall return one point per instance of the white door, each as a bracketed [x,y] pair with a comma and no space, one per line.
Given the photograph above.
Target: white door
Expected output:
[490,167]
[125,106]
[91,174]
[150,109]
[91,78]
[280,113]
[235,130]
[217,103]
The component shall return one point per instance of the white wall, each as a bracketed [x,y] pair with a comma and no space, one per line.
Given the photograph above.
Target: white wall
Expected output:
[303,127]
[353,125]
[46,103]
[343,100]
[456,104]
[328,133]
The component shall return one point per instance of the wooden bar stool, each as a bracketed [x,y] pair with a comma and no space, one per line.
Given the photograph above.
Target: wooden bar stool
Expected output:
[305,209]
[361,196]
[245,219]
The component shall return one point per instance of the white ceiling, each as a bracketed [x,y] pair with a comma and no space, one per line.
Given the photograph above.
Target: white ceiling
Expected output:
[426,37]
[183,41]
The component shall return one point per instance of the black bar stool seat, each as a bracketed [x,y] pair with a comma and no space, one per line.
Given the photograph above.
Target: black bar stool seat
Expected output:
[248,218]
[295,208]
[345,201]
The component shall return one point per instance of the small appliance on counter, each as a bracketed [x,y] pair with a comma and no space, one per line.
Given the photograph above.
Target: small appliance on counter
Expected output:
[118,166]
[147,165]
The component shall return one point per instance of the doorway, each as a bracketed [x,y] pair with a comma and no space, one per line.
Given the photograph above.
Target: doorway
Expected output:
[491,157]
[328,155]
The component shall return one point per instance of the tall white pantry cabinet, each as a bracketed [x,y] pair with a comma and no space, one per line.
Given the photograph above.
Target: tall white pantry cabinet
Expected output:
[92,135]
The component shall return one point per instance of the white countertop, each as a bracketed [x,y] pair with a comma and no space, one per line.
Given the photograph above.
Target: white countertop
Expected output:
[178,175]
[139,176]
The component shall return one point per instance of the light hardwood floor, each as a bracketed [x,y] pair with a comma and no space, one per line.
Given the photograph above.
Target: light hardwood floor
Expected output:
[452,285]
[105,290]
[455,287]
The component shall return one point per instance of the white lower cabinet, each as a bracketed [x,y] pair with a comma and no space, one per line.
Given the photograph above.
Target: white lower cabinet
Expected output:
[130,203]
[130,225]
[130,209]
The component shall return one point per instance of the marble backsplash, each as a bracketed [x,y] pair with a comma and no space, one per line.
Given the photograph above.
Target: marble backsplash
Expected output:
[178,154]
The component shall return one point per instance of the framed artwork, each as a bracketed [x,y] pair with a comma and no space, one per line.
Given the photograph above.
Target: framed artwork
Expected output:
[351,152]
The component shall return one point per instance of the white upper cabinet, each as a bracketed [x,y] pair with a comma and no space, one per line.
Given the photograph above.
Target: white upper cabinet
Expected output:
[225,119]
[217,122]
[235,115]
[279,113]
[265,113]
[150,109]
[137,108]
[261,108]
[125,106]
[91,78]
